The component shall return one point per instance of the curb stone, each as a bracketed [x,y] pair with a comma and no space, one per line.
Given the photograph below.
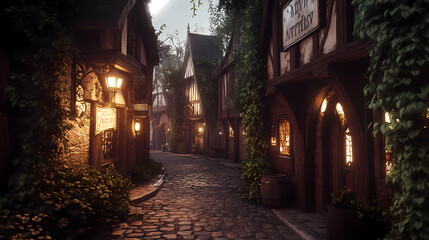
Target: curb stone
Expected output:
[156,187]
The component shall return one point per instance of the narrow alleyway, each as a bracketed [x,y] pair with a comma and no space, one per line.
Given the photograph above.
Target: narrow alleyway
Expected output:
[201,200]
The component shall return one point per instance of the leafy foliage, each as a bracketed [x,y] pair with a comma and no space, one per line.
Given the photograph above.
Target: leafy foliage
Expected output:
[399,35]
[45,198]
[249,90]
[170,79]
[208,92]
[69,199]
[176,89]
[41,55]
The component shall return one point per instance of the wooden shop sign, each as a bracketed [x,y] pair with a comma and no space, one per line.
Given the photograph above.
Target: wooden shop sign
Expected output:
[105,119]
[300,18]
[141,109]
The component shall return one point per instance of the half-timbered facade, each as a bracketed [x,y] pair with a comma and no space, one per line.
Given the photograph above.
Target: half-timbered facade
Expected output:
[319,118]
[112,82]
[161,108]
[202,54]
[232,135]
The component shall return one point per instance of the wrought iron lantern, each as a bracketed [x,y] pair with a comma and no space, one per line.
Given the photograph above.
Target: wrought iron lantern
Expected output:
[137,127]
[114,80]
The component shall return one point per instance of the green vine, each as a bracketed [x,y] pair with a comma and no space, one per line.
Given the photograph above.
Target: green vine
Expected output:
[41,55]
[248,91]
[208,92]
[399,35]
[173,77]
[45,198]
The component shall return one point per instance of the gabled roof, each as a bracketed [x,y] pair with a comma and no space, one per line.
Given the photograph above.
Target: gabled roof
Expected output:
[205,51]
[113,13]
[204,48]
[227,60]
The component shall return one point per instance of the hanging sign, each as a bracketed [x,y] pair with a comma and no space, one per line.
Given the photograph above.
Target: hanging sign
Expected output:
[141,107]
[300,18]
[105,119]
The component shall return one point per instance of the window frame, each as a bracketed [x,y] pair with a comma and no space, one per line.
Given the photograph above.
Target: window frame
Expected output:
[279,142]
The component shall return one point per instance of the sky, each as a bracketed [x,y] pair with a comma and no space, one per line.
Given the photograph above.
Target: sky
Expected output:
[176,14]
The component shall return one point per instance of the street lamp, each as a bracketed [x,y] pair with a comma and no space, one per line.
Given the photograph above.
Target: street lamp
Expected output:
[114,80]
[137,127]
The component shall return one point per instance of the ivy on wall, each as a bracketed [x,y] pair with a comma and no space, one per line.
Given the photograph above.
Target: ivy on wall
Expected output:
[175,85]
[45,198]
[208,92]
[41,55]
[253,114]
[247,93]
[399,35]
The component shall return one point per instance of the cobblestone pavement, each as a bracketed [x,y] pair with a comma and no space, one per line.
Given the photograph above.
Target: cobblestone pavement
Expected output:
[201,200]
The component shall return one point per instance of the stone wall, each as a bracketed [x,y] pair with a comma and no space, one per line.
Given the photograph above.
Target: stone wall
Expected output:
[77,142]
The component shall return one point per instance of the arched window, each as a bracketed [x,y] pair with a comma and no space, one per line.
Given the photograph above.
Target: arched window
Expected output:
[348,144]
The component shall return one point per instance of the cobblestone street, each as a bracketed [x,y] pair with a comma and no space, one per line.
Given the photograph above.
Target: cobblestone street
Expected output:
[201,200]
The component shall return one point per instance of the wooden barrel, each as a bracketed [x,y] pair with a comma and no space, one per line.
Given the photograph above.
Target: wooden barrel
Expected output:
[275,189]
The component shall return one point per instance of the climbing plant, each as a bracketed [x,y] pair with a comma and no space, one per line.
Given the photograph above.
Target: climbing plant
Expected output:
[41,55]
[248,89]
[398,32]
[208,92]
[170,76]
[45,198]
[176,88]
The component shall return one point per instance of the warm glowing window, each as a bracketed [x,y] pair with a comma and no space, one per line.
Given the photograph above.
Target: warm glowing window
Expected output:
[284,137]
[389,153]
[231,132]
[349,147]
[194,99]
[341,113]
[387,117]
[324,105]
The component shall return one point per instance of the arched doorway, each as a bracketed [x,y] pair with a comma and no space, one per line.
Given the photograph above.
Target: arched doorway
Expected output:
[334,151]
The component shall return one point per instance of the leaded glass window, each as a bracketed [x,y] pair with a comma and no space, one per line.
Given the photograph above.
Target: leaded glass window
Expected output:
[349,147]
[284,137]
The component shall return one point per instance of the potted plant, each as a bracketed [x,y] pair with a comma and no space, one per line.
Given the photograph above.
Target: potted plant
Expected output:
[352,218]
